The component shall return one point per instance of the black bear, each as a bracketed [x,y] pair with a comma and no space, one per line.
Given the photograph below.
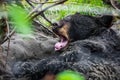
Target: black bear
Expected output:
[93,51]
[79,27]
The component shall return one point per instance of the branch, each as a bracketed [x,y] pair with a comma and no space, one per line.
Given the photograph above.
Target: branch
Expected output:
[8,36]
[44,29]
[36,10]
[35,2]
[43,15]
[42,11]
[114,6]
[29,3]
[30,17]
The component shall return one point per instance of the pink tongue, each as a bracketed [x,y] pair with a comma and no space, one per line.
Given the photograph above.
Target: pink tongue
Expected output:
[60,45]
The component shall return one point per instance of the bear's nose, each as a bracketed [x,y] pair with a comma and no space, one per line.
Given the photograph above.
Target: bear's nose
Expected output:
[55,24]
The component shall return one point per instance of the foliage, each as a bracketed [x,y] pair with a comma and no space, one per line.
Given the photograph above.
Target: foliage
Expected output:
[91,2]
[87,7]
[69,75]
[18,16]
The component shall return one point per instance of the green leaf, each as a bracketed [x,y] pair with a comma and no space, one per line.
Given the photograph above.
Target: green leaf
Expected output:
[69,75]
[18,16]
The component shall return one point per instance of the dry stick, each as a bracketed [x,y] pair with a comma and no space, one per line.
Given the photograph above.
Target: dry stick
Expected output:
[29,3]
[43,15]
[48,30]
[39,13]
[10,34]
[30,17]
[37,2]
[8,28]
[43,2]
[112,2]
[35,10]
[8,38]
[7,53]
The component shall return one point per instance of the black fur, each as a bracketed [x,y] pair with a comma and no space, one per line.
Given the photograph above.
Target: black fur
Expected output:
[84,26]
[95,54]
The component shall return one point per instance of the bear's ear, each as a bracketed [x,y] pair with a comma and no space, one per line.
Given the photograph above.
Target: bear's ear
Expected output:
[106,20]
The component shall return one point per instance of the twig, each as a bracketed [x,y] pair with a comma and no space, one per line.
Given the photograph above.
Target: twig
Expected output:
[30,17]
[8,28]
[43,15]
[49,31]
[112,3]
[34,10]
[39,13]
[29,3]
[38,2]
[43,2]
[8,36]
[7,53]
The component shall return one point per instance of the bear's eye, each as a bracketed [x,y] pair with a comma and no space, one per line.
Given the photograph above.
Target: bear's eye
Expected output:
[61,25]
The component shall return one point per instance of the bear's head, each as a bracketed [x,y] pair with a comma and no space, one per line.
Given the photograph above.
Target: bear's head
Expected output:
[78,27]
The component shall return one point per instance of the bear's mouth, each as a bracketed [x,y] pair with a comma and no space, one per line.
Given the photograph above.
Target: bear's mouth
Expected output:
[61,30]
[62,43]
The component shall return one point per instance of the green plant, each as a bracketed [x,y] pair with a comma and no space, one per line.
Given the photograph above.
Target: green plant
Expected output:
[18,16]
[69,75]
